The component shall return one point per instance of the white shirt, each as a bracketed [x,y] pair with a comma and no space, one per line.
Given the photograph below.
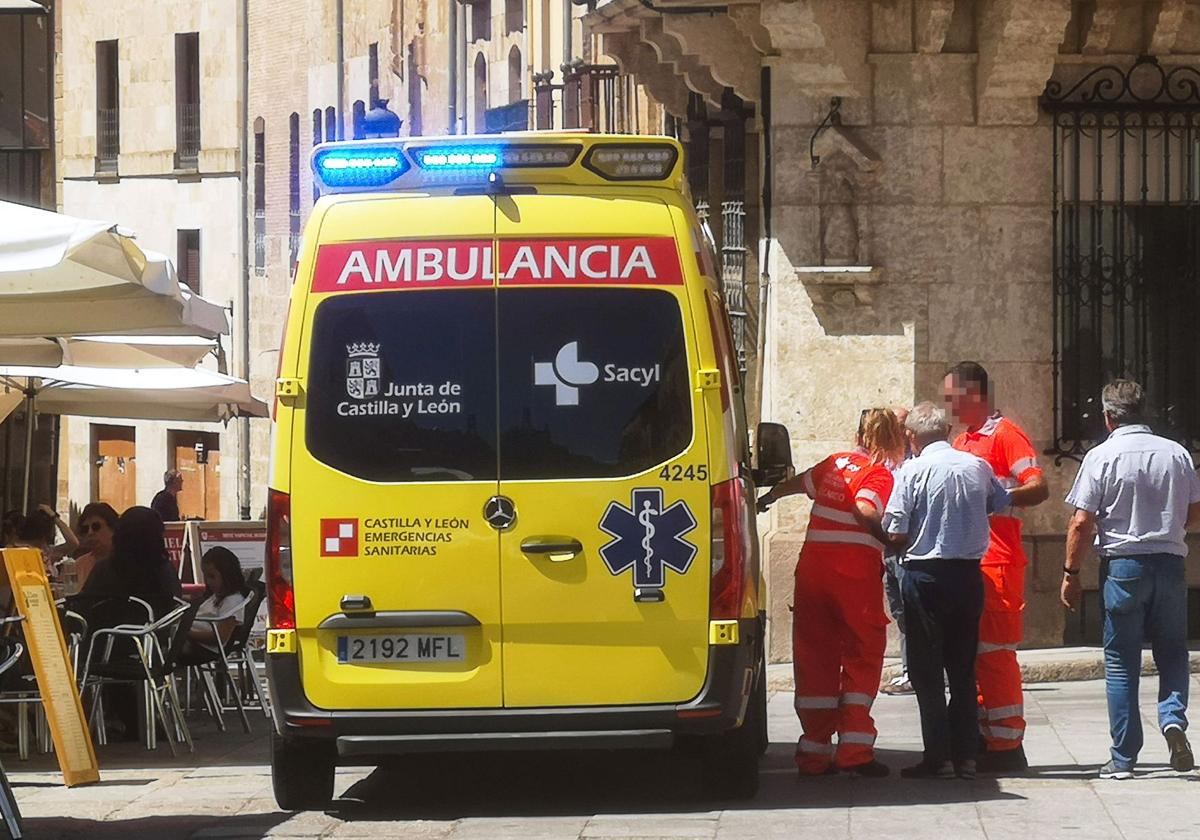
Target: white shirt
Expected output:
[232,606]
[1139,486]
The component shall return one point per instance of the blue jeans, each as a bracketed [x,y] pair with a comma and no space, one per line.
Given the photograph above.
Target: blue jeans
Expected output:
[1145,599]
[893,572]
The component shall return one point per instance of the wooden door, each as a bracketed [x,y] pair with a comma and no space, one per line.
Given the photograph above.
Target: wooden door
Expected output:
[114,459]
[201,493]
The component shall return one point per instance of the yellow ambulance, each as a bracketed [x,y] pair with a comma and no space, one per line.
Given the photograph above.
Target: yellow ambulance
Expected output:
[511,502]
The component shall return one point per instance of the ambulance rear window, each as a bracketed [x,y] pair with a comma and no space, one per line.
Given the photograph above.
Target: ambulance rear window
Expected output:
[402,386]
[594,383]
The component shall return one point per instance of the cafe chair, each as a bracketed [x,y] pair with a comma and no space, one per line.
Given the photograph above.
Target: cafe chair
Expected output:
[157,646]
[231,657]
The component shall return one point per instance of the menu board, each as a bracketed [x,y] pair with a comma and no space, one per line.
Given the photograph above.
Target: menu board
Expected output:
[175,534]
[43,638]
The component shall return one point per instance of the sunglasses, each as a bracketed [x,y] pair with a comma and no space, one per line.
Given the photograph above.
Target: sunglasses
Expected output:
[93,528]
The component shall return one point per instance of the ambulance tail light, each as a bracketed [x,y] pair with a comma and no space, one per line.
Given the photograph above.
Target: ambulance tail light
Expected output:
[281,594]
[631,161]
[731,549]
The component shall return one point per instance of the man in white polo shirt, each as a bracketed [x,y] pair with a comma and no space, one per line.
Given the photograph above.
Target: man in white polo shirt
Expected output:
[1137,493]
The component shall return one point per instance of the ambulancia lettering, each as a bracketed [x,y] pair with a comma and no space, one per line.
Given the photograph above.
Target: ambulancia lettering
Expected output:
[365,266]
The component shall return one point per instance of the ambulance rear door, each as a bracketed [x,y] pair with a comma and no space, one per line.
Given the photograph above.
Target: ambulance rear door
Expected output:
[603,454]
[397,583]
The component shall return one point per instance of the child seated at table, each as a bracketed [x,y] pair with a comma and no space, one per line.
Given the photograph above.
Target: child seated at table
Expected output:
[223,609]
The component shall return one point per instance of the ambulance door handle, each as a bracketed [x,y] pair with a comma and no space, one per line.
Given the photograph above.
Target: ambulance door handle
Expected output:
[558,549]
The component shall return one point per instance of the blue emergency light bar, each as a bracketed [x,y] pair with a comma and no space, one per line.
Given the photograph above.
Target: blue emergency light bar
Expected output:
[359,166]
[362,167]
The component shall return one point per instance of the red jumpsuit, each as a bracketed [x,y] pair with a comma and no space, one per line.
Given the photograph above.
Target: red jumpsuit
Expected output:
[839,629]
[1008,450]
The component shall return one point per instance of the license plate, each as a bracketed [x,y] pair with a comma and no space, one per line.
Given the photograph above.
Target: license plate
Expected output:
[415,647]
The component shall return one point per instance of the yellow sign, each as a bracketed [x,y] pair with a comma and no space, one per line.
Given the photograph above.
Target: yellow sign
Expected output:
[55,678]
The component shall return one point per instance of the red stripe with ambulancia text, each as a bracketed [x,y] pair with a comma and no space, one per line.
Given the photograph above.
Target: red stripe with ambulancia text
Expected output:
[413,264]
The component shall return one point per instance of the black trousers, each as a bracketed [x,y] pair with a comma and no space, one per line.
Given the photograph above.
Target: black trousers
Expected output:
[943,600]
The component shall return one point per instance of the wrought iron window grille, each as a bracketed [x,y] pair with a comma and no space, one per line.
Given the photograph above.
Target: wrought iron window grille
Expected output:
[1126,242]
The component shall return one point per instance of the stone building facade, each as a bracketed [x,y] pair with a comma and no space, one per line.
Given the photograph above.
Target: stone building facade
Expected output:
[148,114]
[925,200]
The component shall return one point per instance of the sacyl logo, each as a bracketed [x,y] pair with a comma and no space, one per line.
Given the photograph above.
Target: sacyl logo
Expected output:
[362,370]
[566,373]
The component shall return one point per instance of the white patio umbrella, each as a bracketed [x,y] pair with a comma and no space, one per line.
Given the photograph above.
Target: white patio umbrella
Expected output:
[193,395]
[62,276]
[108,351]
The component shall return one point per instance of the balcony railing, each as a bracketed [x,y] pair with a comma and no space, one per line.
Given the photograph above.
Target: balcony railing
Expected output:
[511,117]
[108,139]
[187,135]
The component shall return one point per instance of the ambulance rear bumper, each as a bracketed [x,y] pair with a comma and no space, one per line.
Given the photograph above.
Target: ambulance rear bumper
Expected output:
[719,706]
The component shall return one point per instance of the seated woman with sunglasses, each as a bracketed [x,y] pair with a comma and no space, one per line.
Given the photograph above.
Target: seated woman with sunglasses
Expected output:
[96,526]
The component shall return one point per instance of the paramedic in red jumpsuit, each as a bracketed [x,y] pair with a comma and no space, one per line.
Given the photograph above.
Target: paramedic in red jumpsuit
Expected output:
[1008,450]
[839,626]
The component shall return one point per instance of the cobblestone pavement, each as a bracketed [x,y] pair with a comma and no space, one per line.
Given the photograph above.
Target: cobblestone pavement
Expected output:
[224,791]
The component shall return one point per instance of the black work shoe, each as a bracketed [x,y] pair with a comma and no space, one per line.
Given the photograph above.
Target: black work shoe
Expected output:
[1182,760]
[1006,761]
[1112,771]
[925,770]
[966,770]
[872,770]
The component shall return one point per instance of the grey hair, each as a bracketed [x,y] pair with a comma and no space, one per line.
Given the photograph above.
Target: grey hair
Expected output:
[927,421]
[1124,401]
[171,475]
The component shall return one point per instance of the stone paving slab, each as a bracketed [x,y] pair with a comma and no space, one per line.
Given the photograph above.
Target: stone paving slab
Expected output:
[223,791]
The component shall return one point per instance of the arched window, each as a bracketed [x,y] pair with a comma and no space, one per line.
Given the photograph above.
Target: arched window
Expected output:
[358,110]
[481,20]
[515,74]
[260,196]
[514,15]
[293,188]
[331,119]
[481,94]
[414,93]
[317,137]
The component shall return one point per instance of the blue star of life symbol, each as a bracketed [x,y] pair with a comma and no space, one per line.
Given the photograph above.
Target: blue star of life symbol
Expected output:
[647,538]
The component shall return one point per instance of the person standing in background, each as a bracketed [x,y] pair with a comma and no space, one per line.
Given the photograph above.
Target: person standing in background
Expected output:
[840,629]
[1007,449]
[1137,493]
[893,569]
[166,500]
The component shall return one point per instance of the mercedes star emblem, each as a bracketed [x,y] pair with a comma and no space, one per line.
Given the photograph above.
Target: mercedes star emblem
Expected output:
[500,512]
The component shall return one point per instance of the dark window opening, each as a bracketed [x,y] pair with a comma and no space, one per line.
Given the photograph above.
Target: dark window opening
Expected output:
[188,258]
[414,94]
[187,100]
[108,111]
[481,94]
[481,20]
[358,110]
[373,74]
[316,139]
[260,197]
[514,15]
[516,73]
[24,82]
[331,124]
[293,189]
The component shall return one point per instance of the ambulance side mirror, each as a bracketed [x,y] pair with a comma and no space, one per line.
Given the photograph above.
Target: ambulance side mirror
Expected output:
[773,447]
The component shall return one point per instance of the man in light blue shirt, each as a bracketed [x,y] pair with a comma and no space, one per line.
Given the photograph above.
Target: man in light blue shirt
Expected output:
[1137,493]
[938,516]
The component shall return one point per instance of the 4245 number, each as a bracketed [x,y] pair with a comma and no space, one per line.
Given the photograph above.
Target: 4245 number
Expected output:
[679,472]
